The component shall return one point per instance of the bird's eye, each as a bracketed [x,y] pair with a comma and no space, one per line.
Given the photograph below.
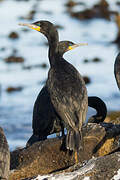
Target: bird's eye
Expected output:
[37,23]
[70,44]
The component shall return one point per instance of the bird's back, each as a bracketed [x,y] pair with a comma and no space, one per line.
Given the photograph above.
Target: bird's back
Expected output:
[68,93]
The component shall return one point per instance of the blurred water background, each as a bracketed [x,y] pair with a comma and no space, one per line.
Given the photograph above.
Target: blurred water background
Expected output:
[16,107]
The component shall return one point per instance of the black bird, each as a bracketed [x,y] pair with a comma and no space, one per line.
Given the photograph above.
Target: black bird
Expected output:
[117,70]
[97,103]
[66,87]
[46,121]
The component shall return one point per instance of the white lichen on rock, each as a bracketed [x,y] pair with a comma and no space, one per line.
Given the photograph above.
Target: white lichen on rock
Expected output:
[117,176]
[70,175]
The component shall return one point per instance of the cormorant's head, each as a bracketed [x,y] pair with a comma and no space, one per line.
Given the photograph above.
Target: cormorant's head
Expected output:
[45,27]
[64,46]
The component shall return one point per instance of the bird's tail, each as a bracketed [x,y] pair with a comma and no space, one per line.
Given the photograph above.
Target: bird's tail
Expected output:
[74,140]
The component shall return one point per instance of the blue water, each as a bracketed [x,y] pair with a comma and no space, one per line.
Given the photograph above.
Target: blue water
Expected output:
[16,108]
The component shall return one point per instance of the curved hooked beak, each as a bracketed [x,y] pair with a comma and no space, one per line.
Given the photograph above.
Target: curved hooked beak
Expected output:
[76,45]
[32,26]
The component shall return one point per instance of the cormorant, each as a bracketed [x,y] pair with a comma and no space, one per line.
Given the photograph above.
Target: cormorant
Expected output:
[117,70]
[66,86]
[45,119]
[4,156]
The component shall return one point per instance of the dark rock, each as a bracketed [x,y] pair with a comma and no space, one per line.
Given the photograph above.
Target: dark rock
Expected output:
[42,157]
[86,61]
[83,15]
[43,65]
[14,59]
[101,168]
[100,10]
[45,157]
[71,3]
[12,89]
[96,59]
[13,35]
[4,156]
[86,79]
[2,49]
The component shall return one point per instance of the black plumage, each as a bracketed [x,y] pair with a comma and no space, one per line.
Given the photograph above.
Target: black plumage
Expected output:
[45,119]
[117,70]
[67,89]
[98,104]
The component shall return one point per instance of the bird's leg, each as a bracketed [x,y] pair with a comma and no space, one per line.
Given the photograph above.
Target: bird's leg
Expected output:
[63,134]
[82,140]
[63,146]
[76,157]
[58,135]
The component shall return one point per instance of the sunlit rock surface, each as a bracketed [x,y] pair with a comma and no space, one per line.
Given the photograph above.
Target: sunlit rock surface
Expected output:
[46,157]
[107,167]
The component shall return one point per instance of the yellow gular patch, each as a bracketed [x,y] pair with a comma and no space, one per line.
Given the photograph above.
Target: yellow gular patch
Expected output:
[36,28]
[70,48]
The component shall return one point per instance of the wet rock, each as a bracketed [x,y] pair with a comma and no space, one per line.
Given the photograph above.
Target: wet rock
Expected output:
[71,3]
[4,156]
[47,156]
[86,79]
[85,60]
[41,157]
[101,168]
[13,35]
[100,10]
[83,15]
[43,65]
[96,59]
[114,117]
[12,89]
[2,49]
[14,59]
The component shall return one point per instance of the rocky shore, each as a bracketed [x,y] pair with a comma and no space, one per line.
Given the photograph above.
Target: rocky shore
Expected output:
[99,159]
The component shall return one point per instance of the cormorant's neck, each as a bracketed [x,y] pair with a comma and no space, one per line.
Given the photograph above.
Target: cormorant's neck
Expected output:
[117,70]
[100,107]
[52,35]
